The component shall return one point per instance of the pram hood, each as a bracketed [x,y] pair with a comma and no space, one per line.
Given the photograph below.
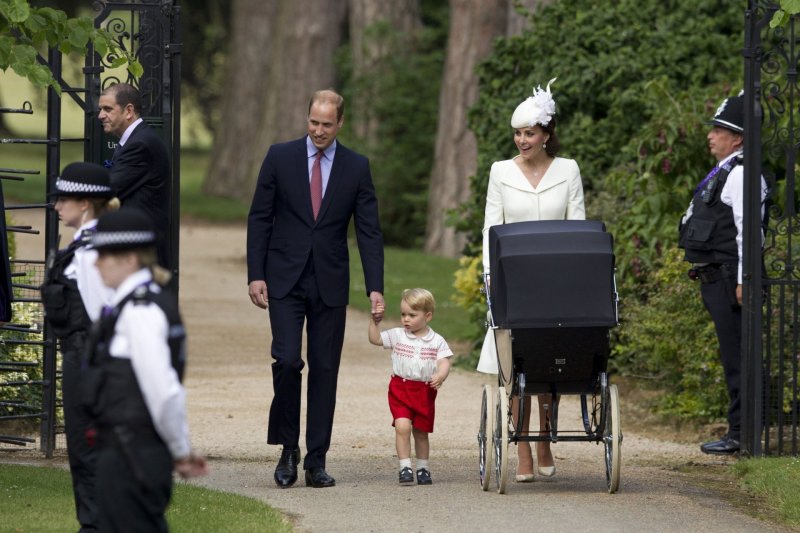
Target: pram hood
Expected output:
[552,273]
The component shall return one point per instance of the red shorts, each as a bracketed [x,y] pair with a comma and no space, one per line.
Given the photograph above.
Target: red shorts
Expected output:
[415,400]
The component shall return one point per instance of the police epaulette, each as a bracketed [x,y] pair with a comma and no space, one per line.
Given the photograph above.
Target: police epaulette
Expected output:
[86,235]
[140,294]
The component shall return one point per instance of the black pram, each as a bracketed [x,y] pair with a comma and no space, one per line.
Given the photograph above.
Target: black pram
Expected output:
[552,299]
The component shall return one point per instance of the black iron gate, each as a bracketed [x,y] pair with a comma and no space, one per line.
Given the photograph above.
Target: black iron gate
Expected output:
[771,338]
[150,31]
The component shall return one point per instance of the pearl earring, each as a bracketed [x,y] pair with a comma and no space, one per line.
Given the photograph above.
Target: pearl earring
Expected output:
[544,145]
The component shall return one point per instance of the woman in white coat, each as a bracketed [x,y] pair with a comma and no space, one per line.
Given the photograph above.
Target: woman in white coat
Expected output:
[534,185]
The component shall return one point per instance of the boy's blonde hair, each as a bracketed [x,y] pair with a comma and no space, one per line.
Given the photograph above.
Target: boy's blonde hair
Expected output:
[419,300]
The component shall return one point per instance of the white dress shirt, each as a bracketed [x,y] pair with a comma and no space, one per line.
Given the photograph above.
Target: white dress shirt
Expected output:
[83,270]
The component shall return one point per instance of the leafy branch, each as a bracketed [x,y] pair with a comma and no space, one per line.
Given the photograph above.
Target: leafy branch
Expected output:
[24,30]
[787,10]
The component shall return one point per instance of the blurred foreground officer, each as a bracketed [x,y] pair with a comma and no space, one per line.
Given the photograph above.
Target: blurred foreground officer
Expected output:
[134,389]
[711,235]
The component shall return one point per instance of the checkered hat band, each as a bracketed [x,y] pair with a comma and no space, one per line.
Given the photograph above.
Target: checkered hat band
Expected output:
[111,238]
[74,186]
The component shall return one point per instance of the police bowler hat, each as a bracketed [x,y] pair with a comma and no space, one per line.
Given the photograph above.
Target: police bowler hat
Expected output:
[730,114]
[83,180]
[126,229]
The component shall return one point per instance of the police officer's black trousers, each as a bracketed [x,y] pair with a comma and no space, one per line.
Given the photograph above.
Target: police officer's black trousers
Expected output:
[719,298]
[82,457]
[134,481]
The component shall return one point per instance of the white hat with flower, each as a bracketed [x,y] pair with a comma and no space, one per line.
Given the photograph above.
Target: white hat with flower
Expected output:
[536,109]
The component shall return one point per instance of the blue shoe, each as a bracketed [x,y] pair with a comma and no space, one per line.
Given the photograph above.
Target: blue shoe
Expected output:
[424,477]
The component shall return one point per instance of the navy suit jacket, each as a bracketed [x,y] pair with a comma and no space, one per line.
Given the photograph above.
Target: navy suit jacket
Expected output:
[140,177]
[281,231]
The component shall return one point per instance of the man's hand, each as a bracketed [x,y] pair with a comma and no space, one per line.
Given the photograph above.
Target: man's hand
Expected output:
[739,293]
[258,293]
[377,306]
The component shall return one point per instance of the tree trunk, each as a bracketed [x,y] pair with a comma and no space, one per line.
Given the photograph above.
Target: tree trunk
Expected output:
[282,52]
[370,22]
[233,155]
[473,27]
[517,23]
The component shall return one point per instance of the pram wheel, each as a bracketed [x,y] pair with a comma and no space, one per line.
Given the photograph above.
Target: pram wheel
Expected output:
[612,438]
[501,440]
[485,441]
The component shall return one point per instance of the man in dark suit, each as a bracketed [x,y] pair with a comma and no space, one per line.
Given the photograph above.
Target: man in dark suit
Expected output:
[298,268]
[140,170]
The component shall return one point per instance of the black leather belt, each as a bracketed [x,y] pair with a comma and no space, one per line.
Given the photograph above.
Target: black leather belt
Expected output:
[709,273]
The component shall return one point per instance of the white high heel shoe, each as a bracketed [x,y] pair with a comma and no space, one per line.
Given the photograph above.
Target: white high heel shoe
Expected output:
[547,471]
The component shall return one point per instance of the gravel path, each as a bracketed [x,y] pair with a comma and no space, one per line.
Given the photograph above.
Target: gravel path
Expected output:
[229,387]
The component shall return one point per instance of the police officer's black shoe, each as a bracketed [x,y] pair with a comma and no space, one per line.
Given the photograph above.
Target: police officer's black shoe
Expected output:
[286,471]
[723,446]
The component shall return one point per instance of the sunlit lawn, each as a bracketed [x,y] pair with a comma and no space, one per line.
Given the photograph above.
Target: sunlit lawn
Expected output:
[776,481]
[39,499]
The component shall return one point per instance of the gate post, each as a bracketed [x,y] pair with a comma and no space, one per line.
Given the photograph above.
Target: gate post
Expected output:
[751,392]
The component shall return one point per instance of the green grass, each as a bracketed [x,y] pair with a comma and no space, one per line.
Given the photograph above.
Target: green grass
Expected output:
[406,269]
[776,481]
[38,499]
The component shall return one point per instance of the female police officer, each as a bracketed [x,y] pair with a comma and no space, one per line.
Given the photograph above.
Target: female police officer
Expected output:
[134,392]
[74,294]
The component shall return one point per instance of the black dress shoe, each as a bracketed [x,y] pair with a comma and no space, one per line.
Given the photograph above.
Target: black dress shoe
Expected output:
[723,446]
[286,471]
[318,478]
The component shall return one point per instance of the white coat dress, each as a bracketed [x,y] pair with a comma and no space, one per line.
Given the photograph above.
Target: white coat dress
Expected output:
[511,198]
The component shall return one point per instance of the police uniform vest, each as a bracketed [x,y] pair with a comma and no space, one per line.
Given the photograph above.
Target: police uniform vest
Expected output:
[63,305]
[709,236]
[113,396]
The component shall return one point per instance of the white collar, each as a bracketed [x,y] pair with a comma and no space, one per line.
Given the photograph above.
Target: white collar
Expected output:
[88,225]
[427,337]
[312,150]
[129,130]
[734,154]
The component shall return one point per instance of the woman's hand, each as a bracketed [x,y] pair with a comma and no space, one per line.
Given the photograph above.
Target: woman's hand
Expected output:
[191,466]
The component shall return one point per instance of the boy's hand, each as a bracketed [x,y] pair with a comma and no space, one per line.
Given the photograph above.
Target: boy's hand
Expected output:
[437,379]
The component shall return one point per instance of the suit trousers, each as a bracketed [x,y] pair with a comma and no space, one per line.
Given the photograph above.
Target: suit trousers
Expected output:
[81,456]
[325,337]
[719,297]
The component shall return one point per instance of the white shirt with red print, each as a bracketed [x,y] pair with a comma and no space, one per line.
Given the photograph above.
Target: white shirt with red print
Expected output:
[415,357]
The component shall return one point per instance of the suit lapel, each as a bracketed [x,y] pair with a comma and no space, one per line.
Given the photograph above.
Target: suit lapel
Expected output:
[133,134]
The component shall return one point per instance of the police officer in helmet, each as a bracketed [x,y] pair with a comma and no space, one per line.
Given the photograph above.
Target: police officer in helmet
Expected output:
[711,235]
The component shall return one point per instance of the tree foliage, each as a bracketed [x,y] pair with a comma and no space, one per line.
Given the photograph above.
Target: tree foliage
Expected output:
[604,59]
[405,85]
[667,342]
[25,30]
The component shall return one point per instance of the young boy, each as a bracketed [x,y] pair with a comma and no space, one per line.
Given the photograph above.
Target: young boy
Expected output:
[420,364]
